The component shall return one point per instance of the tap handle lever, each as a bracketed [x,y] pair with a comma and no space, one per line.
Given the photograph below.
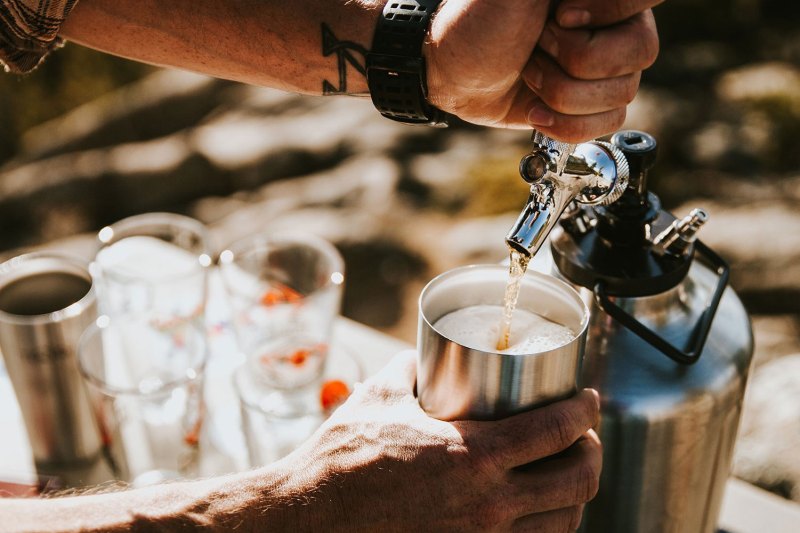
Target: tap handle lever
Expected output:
[548,157]
[557,150]
[593,173]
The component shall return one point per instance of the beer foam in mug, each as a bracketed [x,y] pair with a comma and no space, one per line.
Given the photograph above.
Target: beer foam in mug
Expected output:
[478,327]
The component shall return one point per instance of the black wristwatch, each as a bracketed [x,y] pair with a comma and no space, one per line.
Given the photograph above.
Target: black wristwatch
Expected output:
[395,66]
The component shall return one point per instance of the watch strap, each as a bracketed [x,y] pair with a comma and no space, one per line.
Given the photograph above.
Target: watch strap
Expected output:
[396,70]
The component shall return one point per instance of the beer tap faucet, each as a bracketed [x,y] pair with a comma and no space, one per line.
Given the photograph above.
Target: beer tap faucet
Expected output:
[592,173]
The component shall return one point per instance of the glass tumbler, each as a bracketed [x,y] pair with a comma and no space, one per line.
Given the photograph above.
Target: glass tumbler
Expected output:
[153,271]
[146,394]
[276,421]
[285,292]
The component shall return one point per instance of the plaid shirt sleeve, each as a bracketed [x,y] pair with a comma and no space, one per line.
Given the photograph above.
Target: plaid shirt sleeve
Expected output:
[29,31]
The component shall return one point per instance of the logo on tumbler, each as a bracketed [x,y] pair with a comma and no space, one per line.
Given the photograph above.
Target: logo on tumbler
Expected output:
[46,354]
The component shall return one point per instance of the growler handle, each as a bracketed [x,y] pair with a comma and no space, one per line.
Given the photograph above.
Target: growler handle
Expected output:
[700,330]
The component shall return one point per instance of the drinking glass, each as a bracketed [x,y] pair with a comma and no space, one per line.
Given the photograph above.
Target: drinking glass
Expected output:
[146,392]
[275,421]
[285,292]
[153,270]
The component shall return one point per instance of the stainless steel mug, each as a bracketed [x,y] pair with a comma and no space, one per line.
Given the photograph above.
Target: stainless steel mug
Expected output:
[456,382]
[46,301]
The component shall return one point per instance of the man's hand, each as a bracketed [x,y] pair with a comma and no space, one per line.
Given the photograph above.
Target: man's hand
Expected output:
[381,464]
[378,464]
[503,63]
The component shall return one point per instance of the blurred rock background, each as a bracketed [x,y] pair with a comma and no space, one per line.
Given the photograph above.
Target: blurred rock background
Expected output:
[88,139]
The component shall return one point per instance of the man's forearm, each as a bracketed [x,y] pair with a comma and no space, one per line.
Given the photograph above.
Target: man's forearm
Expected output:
[486,64]
[244,502]
[308,46]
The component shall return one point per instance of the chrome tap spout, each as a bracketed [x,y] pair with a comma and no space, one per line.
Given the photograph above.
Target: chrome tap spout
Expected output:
[591,173]
[545,205]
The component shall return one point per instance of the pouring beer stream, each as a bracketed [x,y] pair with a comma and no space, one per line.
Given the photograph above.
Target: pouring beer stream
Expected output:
[591,173]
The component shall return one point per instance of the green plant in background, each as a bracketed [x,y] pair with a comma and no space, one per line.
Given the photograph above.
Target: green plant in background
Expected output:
[70,77]
[494,187]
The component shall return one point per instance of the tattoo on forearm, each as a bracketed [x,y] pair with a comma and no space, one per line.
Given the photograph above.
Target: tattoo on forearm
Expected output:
[344,51]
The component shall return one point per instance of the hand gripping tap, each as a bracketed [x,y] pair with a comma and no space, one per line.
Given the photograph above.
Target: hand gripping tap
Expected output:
[593,173]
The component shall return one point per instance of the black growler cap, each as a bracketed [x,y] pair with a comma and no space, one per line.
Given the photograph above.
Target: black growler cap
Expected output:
[641,150]
[617,250]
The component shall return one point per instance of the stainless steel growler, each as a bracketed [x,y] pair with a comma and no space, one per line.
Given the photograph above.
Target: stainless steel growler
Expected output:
[669,349]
